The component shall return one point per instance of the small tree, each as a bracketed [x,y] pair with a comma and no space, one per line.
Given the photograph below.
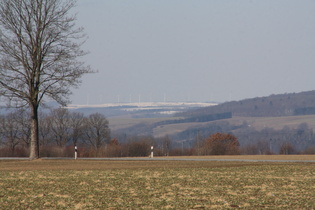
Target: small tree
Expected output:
[198,144]
[97,132]
[222,144]
[166,147]
[76,126]
[287,149]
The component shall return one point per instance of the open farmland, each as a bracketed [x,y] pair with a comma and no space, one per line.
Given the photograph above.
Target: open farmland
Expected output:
[257,123]
[95,184]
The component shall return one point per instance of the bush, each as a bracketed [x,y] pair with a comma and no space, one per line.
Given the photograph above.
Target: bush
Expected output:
[287,149]
[18,152]
[222,144]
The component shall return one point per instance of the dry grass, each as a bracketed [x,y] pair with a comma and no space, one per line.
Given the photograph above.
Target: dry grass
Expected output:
[90,184]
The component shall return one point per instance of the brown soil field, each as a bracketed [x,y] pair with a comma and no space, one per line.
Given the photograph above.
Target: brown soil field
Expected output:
[156,184]
[17,165]
[44,164]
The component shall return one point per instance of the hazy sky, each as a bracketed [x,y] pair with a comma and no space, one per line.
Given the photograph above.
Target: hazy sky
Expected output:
[196,50]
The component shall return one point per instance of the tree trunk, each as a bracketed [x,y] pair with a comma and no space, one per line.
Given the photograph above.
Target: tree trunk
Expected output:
[34,149]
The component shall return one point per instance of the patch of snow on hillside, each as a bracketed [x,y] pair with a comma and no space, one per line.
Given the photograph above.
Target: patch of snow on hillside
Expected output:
[143,105]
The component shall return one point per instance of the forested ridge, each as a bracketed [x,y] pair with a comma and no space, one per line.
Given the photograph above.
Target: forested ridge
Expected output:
[287,104]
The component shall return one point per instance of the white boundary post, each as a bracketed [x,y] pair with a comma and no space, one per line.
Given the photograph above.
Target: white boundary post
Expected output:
[151,152]
[75,152]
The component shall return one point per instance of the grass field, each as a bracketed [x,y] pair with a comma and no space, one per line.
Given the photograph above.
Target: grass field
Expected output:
[258,123]
[91,184]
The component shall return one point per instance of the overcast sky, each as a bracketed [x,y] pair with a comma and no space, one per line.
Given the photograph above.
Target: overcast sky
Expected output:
[196,50]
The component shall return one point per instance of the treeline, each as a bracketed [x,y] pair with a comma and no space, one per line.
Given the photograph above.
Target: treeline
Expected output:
[60,130]
[300,140]
[304,111]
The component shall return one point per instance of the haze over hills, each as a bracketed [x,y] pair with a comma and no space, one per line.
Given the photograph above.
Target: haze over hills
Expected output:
[277,119]
[288,104]
[140,110]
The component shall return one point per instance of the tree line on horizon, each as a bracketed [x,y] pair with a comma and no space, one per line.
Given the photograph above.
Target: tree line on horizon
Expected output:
[60,130]
[300,140]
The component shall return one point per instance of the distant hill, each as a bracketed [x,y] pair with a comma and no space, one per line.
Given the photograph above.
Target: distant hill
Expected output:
[263,125]
[288,104]
[139,110]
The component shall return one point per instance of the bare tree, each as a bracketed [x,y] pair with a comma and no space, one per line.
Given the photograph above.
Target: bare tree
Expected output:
[59,126]
[166,147]
[97,131]
[10,131]
[39,55]
[24,126]
[76,126]
[45,129]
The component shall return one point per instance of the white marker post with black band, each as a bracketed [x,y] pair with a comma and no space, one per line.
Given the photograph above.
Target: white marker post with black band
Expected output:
[75,152]
[151,156]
